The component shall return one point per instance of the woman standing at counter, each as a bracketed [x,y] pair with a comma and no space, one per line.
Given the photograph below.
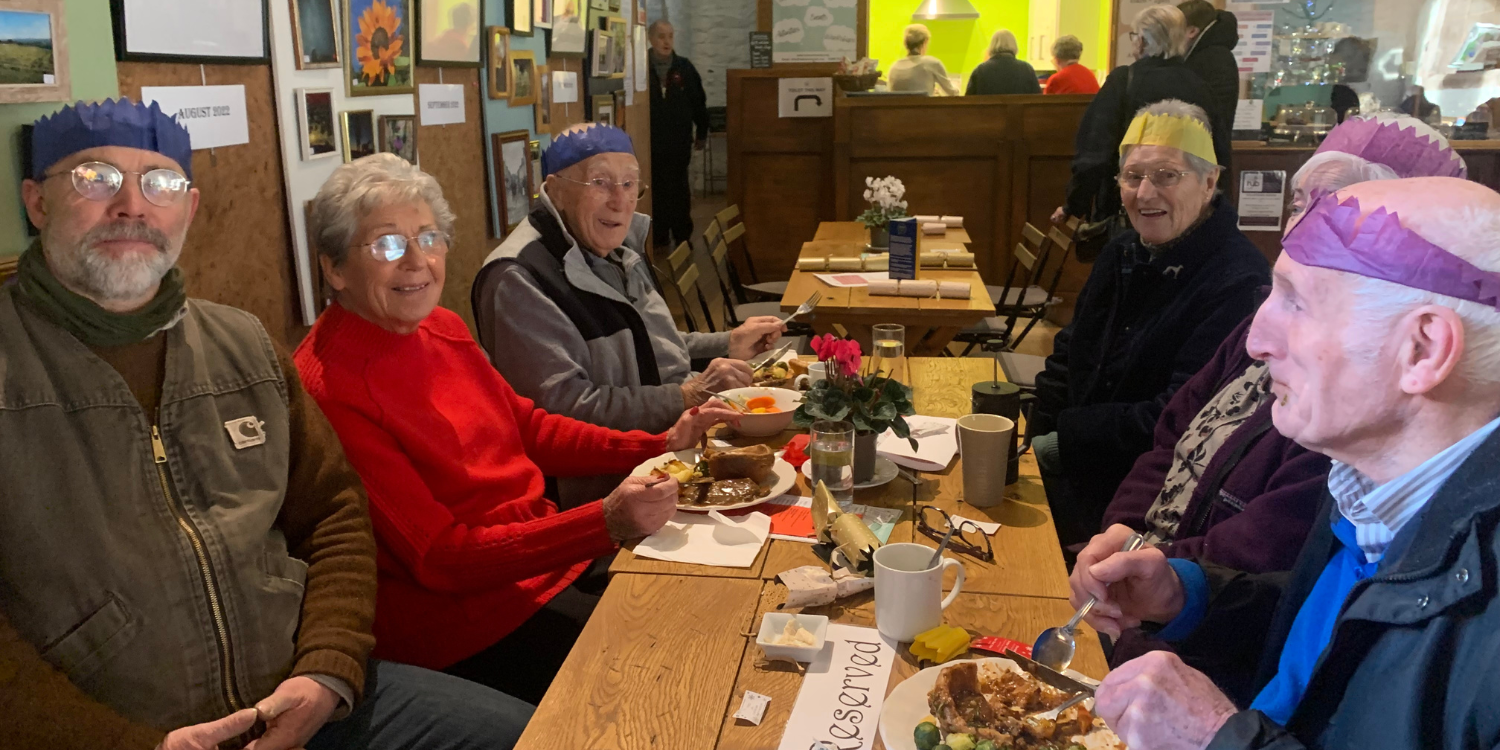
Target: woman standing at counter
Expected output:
[1003,73]
[918,72]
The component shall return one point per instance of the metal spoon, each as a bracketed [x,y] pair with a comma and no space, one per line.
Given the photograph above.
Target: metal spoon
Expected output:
[943,545]
[1055,646]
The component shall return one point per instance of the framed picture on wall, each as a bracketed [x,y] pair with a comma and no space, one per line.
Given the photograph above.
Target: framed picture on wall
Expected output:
[322,293]
[512,175]
[618,46]
[568,38]
[619,96]
[604,108]
[448,33]
[191,31]
[523,78]
[498,61]
[377,47]
[640,12]
[518,15]
[541,14]
[599,4]
[359,133]
[543,100]
[398,135]
[614,6]
[316,125]
[33,52]
[535,147]
[601,57]
[315,33]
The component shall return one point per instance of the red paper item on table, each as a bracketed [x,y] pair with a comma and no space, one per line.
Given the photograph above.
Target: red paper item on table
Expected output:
[796,451]
[996,645]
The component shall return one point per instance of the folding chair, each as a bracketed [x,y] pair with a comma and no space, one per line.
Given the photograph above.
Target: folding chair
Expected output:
[684,277]
[732,233]
[1012,301]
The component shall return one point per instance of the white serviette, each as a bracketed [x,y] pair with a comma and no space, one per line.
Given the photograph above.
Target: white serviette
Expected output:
[690,538]
[937,444]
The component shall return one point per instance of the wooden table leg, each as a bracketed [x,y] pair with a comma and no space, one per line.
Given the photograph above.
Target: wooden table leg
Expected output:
[933,343]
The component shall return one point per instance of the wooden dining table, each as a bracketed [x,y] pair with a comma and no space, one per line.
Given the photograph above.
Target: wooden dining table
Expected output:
[669,651]
[930,323]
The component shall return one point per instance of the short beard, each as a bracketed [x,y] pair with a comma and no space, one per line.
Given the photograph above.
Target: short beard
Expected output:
[104,279]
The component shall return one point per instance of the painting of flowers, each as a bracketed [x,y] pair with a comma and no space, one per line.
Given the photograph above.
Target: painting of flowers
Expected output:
[379,54]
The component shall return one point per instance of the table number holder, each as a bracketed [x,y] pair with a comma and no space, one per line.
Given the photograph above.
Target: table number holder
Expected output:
[903,248]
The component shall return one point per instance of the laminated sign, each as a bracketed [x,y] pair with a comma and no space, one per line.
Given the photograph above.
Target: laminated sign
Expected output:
[805,97]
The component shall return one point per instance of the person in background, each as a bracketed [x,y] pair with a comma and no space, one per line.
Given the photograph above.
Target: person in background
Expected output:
[1417,105]
[1002,73]
[184,550]
[1382,342]
[1211,37]
[1071,77]
[679,107]
[1158,73]
[919,72]
[1160,300]
[480,574]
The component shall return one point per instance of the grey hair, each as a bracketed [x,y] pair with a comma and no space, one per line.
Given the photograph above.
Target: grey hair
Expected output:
[916,36]
[1163,31]
[362,186]
[1003,41]
[1468,232]
[1178,108]
[1067,47]
[656,25]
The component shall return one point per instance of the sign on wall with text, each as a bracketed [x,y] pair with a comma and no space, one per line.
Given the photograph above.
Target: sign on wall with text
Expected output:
[213,115]
[813,30]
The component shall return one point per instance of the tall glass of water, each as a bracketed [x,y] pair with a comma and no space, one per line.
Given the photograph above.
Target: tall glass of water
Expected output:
[832,455]
[889,340]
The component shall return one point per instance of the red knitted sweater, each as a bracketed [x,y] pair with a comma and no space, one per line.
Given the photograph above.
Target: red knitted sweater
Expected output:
[1073,79]
[453,461]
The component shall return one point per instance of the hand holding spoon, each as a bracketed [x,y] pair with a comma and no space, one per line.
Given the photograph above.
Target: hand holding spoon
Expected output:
[1055,646]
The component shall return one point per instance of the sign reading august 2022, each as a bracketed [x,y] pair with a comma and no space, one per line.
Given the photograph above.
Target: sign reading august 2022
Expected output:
[214,116]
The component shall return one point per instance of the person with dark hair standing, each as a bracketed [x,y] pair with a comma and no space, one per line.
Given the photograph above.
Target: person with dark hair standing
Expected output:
[678,106]
[1211,37]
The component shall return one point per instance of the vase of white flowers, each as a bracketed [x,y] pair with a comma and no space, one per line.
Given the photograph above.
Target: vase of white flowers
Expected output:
[885,198]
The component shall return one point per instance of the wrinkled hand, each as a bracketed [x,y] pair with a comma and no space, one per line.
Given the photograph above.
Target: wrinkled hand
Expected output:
[1157,702]
[1060,215]
[694,423]
[294,713]
[208,736]
[639,506]
[1133,587]
[755,336]
[721,375]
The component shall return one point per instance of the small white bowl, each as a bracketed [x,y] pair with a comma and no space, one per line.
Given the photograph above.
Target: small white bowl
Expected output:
[766,425]
[773,624]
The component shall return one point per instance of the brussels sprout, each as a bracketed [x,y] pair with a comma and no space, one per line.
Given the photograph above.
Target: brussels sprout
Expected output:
[927,736]
[985,745]
[960,741]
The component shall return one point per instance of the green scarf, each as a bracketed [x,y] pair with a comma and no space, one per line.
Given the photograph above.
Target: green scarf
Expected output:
[88,322]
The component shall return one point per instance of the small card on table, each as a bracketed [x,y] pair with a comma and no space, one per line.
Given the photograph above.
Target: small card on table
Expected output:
[842,692]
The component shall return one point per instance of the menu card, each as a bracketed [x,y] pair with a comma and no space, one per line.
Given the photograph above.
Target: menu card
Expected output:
[843,691]
[903,244]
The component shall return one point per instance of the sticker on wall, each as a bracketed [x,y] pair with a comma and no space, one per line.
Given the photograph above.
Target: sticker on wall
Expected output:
[441,103]
[213,115]
[805,97]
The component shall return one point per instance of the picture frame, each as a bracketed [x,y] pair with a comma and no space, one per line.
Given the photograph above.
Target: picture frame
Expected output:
[448,33]
[497,62]
[640,12]
[618,46]
[315,34]
[192,31]
[398,135]
[543,100]
[359,133]
[604,108]
[599,4]
[321,291]
[619,96]
[535,147]
[614,6]
[518,16]
[541,14]
[600,61]
[36,52]
[317,127]
[512,171]
[386,69]
[569,36]
[523,77]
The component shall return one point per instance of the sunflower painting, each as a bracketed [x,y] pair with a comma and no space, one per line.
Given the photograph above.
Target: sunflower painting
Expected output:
[379,41]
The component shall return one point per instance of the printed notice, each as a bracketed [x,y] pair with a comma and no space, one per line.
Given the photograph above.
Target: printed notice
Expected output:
[213,115]
[1262,196]
[805,97]
[843,691]
[1253,52]
[441,103]
[564,86]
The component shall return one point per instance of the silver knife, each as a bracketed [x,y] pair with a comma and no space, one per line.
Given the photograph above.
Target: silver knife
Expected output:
[760,361]
[1049,676]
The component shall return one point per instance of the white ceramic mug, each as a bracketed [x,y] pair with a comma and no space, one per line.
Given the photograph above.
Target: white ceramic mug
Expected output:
[815,372]
[984,443]
[909,593]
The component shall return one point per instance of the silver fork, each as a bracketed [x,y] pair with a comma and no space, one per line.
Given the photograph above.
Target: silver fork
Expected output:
[805,308]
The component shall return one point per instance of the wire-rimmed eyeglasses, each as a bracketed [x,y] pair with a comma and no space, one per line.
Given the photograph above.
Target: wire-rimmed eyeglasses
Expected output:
[392,247]
[99,181]
[633,188]
[967,537]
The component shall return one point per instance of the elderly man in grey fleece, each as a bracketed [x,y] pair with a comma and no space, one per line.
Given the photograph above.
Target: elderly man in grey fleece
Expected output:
[567,311]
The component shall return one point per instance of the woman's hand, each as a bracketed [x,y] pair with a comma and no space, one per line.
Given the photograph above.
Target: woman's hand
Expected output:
[694,424]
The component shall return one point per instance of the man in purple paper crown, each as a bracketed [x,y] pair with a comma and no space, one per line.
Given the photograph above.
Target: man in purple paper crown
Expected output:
[1382,338]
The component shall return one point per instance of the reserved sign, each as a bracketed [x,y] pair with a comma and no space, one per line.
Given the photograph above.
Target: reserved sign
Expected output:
[843,691]
[441,103]
[213,115]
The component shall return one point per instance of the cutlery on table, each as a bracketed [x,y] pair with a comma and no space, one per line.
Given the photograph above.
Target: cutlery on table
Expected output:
[1055,646]
[1049,676]
[733,401]
[760,362]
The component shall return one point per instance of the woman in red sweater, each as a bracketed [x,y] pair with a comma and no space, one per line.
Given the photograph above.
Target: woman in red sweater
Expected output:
[477,569]
[1070,78]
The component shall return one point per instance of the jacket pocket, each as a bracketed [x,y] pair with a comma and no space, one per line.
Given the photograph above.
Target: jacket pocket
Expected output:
[1225,506]
[91,644]
[285,569]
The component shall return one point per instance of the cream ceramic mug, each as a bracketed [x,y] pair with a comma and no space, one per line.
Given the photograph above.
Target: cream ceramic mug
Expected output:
[984,443]
[908,592]
[815,372]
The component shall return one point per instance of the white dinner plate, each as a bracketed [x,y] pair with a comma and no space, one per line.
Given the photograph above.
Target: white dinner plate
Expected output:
[782,479]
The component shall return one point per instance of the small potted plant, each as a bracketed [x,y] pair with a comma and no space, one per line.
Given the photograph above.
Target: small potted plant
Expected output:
[885,198]
[873,403]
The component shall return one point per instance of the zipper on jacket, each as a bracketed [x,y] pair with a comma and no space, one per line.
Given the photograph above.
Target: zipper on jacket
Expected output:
[205,570]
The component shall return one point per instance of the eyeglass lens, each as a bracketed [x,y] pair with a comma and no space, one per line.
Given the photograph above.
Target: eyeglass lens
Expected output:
[390,247]
[98,181]
[1162,178]
[630,186]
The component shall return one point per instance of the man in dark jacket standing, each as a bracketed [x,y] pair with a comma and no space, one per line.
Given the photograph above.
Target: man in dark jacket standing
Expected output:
[678,105]
[1211,37]
[1379,335]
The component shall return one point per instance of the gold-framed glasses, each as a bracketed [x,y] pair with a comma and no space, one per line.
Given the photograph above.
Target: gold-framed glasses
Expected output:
[632,187]
[99,181]
[967,537]
[1162,178]
[392,247]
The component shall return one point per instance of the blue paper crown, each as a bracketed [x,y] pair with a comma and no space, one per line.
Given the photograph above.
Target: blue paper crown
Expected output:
[109,123]
[575,146]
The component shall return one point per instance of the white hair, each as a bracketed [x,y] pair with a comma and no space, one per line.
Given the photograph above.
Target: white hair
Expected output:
[1163,30]
[1337,170]
[1003,41]
[362,186]
[1178,108]
[1067,47]
[916,36]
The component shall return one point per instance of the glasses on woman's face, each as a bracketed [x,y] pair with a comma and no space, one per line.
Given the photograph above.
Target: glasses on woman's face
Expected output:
[98,181]
[632,187]
[967,537]
[392,247]
[1162,178]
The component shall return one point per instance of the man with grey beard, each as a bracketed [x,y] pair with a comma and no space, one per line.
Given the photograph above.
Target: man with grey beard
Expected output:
[186,558]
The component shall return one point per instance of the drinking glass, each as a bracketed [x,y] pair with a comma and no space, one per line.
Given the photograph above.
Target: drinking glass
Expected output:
[831,452]
[889,344]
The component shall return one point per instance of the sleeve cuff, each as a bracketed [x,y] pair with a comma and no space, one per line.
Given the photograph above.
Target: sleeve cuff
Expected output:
[1195,589]
[1048,453]
[345,693]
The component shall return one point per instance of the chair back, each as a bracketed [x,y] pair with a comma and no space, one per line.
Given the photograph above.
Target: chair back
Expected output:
[685,275]
[1062,248]
[733,232]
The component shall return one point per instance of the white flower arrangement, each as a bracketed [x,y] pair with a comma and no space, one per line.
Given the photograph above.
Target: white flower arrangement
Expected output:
[885,198]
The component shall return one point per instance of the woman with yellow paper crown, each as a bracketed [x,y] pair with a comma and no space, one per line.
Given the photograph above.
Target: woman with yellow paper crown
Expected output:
[1161,298]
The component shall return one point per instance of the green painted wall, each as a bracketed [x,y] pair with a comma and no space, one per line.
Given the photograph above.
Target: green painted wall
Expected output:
[91,53]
